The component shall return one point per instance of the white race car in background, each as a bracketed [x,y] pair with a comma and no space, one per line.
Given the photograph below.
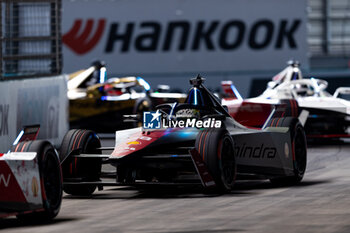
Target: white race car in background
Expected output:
[328,114]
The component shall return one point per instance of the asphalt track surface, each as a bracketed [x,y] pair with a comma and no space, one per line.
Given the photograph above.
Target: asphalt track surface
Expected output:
[321,203]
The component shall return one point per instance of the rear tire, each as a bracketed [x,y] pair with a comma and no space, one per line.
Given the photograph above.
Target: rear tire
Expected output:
[299,153]
[50,177]
[215,147]
[80,169]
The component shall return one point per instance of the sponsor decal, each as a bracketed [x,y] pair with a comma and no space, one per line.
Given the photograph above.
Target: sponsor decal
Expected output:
[129,148]
[5,179]
[134,143]
[35,187]
[145,138]
[154,120]
[182,35]
[255,151]
[4,115]
[85,41]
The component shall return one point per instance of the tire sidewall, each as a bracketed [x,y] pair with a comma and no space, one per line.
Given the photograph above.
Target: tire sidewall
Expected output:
[209,144]
[298,131]
[46,151]
[228,186]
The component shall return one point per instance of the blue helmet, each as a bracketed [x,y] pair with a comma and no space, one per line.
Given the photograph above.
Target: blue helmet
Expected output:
[195,97]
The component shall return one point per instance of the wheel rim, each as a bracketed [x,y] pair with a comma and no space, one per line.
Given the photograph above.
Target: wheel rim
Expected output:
[52,180]
[91,145]
[300,152]
[227,162]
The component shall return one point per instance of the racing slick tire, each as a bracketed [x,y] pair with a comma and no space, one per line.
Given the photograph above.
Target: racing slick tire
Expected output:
[299,152]
[216,148]
[141,105]
[50,179]
[80,169]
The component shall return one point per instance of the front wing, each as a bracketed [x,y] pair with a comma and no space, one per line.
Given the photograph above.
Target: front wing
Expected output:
[20,183]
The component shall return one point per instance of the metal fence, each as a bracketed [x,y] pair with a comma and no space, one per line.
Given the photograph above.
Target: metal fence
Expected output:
[329,28]
[30,38]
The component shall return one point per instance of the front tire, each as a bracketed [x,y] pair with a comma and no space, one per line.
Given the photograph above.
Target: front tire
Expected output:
[50,178]
[80,169]
[215,146]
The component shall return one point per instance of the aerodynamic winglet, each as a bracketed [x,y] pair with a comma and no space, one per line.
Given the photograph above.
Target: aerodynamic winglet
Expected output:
[29,133]
[303,117]
[202,170]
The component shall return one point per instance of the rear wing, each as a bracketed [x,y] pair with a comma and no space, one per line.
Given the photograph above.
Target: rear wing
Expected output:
[28,133]
[341,90]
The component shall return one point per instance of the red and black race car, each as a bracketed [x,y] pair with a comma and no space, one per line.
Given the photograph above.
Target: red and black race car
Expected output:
[30,179]
[196,142]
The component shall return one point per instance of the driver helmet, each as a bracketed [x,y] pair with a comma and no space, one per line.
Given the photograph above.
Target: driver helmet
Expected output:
[195,97]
